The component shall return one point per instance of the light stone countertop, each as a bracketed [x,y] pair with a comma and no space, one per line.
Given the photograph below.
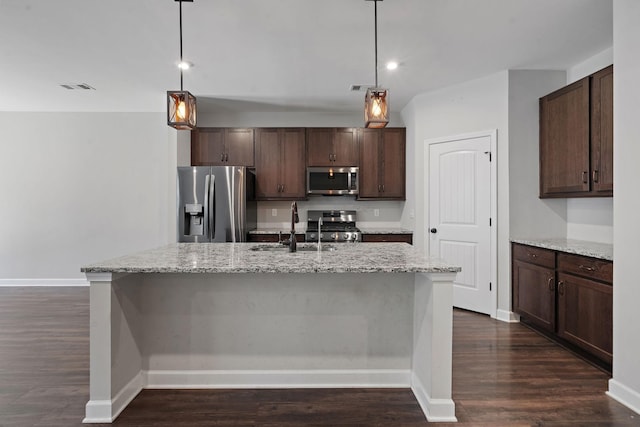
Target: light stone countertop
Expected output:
[578,247]
[239,258]
[392,230]
[364,230]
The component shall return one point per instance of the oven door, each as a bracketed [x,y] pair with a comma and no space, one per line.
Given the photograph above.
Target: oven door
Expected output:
[332,181]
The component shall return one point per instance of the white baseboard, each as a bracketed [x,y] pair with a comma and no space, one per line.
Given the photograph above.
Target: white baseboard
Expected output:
[279,379]
[106,411]
[623,394]
[508,316]
[42,282]
[436,410]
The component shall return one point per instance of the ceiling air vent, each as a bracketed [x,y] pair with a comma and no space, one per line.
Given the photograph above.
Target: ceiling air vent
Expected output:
[359,88]
[82,86]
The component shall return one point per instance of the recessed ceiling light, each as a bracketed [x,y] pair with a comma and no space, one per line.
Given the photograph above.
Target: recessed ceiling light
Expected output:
[185,65]
[392,65]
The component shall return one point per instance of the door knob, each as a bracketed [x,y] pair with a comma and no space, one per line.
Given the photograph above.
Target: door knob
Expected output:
[434,230]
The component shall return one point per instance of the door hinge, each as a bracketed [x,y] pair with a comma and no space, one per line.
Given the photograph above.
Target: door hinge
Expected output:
[489,153]
[490,287]
[489,222]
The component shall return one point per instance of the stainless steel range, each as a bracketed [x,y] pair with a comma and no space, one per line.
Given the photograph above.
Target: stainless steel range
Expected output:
[336,226]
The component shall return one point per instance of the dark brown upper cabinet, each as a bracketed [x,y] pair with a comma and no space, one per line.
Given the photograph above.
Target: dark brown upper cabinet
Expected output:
[280,164]
[222,147]
[602,132]
[576,138]
[332,147]
[382,164]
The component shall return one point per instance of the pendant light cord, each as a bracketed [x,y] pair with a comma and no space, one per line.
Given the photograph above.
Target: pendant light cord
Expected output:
[180,1]
[375,20]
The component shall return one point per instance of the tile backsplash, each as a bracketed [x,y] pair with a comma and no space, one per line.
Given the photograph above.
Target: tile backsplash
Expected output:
[374,214]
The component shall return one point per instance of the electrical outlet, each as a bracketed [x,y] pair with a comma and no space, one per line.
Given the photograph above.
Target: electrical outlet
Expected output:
[376,212]
[274,212]
[412,213]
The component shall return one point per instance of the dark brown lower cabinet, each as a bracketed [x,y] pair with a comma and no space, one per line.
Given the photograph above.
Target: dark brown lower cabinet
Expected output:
[534,294]
[585,315]
[567,297]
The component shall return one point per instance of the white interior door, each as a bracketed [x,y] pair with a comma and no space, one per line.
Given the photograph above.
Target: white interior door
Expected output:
[460,216]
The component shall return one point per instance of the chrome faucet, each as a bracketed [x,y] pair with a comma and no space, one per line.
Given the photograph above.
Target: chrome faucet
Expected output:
[294,219]
[319,234]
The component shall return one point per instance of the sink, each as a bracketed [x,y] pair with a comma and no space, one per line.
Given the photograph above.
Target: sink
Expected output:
[308,247]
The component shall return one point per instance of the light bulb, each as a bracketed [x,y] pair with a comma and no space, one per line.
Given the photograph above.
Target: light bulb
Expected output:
[185,65]
[181,111]
[376,110]
[392,65]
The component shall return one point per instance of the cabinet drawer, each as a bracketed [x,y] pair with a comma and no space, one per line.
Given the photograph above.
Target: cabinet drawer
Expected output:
[587,267]
[399,238]
[533,255]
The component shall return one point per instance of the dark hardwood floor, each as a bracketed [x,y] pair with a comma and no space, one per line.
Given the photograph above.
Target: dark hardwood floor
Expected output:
[503,375]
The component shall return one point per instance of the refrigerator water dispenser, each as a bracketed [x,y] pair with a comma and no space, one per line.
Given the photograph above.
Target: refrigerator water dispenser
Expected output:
[194,219]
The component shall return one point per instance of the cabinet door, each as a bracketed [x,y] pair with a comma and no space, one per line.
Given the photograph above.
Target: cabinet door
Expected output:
[369,164]
[393,164]
[564,141]
[239,146]
[345,147]
[602,131]
[268,164]
[207,147]
[534,294]
[320,147]
[585,314]
[293,177]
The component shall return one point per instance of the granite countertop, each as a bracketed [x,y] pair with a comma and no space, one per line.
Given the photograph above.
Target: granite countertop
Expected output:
[578,247]
[240,258]
[364,230]
[391,230]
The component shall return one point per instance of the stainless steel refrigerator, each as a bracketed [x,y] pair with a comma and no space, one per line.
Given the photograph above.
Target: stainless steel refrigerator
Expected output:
[215,203]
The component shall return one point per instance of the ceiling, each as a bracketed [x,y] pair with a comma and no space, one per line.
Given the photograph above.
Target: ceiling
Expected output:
[282,55]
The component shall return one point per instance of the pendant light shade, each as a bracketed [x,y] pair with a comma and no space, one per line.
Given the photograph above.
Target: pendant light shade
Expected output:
[181,104]
[376,101]
[181,109]
[376,108]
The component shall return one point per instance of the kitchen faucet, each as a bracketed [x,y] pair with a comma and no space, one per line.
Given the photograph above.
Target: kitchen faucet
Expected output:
[294,219]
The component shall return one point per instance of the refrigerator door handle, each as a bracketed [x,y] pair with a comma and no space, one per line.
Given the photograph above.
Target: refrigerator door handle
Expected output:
[211,194]
[207,225]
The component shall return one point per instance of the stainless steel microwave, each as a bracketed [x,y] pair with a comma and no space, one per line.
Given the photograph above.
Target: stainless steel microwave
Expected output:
[333,181]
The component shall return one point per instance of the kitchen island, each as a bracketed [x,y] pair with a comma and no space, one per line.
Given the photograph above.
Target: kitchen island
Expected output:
[239,315]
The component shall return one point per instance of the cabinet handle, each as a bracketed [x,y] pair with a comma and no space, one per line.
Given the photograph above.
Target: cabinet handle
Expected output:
[222,157]
[585,177]
[561,287]
[586,267]
[595,175]
[282,188]
[383,188]
[550,284]
[534,256]
[226,157]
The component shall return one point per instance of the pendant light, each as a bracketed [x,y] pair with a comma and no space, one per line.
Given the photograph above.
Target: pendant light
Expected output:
[376,101]
[181,105]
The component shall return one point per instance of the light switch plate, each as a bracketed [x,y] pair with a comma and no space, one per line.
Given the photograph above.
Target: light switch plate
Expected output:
[274,212]
[376,212]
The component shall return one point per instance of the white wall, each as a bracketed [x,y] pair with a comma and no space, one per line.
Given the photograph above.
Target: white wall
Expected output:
[530,216]
[590,219]
[625,385]
[81,187]
[477,105]
[290,119]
